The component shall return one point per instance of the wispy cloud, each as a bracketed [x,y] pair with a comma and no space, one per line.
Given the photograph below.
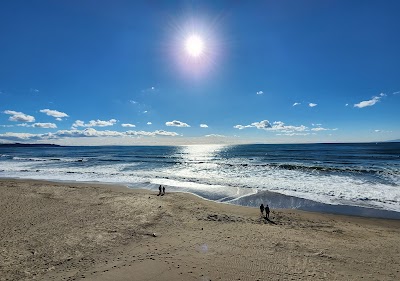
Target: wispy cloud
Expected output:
[241,127]
[259,92]
[370,102]
[128,125]
[293,134]
[6,126]
[203,126]
[19,116]
[39,125]
[133,102]
[296,103]
[152,134]
[33,90]
[215,136]
[45,125]
[312,104]
[176,123]
[396,93]
[94,123]
[149,123]
[54,113]
[346,104]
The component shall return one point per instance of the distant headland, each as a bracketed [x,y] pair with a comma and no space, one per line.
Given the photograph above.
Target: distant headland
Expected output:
[28,145]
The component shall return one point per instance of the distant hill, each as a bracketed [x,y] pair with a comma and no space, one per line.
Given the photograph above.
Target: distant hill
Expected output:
[28,145]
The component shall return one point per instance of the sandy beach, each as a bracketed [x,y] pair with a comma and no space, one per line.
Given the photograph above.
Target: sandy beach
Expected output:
[73,231]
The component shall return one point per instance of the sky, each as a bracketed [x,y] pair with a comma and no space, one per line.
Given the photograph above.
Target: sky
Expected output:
[194,72]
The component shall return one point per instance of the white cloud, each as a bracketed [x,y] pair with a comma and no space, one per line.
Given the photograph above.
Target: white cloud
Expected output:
[145,111]
[377,131]
[259,92]
[312,104]
[280,126]
[241,127]
[296,103]
[396,93]
[176,123]
[34,90]
[128,125]
[203,126]
[149,123]
[215,136]
[19,116]
[88,132]
[94,123]
[262,124]
[346,104]
[133,102]
[370,102]
[152,134]
[165,133]
[276,126]
[319,129]
[54,113]
[44,125]
[19,136]
[293,134]
[6,126]
[78,123]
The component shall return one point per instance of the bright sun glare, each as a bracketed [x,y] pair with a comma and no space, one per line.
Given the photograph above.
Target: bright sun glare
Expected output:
[194,46]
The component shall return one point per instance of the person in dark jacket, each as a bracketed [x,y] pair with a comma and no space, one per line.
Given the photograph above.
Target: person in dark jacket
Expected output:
[267,212]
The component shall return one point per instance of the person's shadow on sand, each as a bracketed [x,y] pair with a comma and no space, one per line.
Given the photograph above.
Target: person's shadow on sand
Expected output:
[270,221]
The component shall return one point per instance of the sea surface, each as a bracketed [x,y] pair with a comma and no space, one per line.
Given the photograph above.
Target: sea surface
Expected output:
[341,177]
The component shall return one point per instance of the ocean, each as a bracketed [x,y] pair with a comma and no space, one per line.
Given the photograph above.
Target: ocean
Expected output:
[353,178]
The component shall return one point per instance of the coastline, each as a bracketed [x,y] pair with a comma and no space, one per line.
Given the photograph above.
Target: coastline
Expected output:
[274,199]
[85,231]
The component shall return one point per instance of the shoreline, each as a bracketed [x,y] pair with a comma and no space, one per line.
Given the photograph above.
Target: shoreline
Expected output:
[80,231]
[274,199]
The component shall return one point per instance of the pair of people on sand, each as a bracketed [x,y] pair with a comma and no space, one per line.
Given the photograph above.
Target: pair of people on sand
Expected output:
[266,208]
[161,190]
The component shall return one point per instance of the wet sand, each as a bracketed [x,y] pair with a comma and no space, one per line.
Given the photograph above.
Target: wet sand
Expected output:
[72,231]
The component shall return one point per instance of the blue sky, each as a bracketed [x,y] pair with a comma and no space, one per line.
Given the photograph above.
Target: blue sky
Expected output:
[123,72]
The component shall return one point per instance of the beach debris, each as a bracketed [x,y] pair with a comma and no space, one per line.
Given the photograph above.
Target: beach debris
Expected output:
[154,235]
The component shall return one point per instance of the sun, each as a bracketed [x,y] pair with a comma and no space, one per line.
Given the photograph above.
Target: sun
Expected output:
[194,46]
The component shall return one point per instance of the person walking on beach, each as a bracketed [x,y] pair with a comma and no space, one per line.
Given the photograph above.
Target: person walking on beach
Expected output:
[267,212]
[159,190]
[163,190]
[262,209]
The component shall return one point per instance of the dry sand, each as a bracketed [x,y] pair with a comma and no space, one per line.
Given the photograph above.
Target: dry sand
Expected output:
[71,231]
